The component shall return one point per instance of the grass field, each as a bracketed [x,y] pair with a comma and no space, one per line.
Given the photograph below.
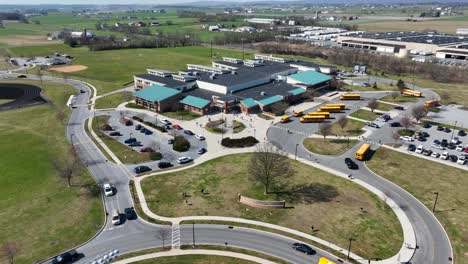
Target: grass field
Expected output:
[400,99]
[4,101]
[384,107]
[422,178]
[113,100]
[352,128]
[365,114]
[333,207]
[195,259]
[328,146]
[380,87]
[182,115]
[39,212]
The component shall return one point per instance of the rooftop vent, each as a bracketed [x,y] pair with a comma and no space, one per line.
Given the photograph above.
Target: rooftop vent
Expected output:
[263,93]
[233,72]
[213,76]
[429,41]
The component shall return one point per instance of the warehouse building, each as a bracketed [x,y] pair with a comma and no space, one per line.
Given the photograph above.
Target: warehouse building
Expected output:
[179,81]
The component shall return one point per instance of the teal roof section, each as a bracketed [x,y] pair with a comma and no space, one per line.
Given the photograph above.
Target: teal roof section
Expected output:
[310,77]
[156,93]
[249,102]
[271,100]
[195,101]
[297,91]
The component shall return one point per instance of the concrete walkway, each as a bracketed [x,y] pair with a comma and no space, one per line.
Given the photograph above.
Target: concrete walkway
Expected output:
[178,252]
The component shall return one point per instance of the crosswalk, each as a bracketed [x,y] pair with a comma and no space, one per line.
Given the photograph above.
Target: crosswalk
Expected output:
[292,130]
[175,236]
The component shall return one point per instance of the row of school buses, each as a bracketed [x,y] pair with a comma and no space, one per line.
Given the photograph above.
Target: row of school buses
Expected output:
[318,116]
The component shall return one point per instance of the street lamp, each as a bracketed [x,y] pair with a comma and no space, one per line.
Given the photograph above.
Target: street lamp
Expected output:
[295,153]
[131,147]
[435,202]
[453,130]
[71,139]
[349,248]
[156,116]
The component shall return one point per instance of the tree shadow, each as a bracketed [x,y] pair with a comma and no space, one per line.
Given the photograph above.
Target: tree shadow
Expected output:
[309,193]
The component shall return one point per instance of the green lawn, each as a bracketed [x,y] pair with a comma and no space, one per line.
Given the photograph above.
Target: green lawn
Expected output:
[328,146]
[384,107]
[195,259]
[266,117]
[182,115]
[422,178]
[352,128]
[238,126]
[400,99]
[39,212]
[365,114]
[380,87]
[113,100]
[333,208]
[4,101]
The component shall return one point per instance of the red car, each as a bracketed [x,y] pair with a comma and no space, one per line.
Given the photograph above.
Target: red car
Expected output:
[146,150]
[466,150]
[177,127]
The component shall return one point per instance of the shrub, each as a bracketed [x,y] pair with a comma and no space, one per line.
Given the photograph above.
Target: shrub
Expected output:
[239,142]
[136,106]
[180,144]
[155,156]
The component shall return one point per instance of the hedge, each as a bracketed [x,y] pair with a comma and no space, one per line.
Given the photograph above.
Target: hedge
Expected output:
[160,128]
[239,142]
[180,144]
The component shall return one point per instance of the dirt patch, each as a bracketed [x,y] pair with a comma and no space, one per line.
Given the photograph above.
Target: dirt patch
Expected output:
[71,68]
[26,40]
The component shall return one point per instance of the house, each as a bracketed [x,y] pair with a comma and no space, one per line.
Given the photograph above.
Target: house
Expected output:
[158,98]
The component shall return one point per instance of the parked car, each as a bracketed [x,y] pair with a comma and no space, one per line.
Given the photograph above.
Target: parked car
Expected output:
[135,144]
[455,140]
[427,152]
[82,91]
[461,160]
[165,121]
[170,141]
[200,137]
[21,76]
[67,257]
[303,248]
[138,127]
[399,107]
[395,124]
[127,122]
[108,191]
[177,127]
[444,155]
[407,138]
[466,149]
[436,141]
[419,149]
[148,132]
[142,129]
[183,160]
[167,127]
[146,149]
[115,217]
[451,145]
[201,151]
[372,124]
[115,134]
[461,133]
[447,130]
[440,128]
[385,117]
[427,125]
[444,143]
[141,169]
[435,155]
[459,148]
[188,132]
[411,147]
[421,138]
[437,146]
[130,213]
[453,158]
[164,164]
[130,140]
[351,164]
[425,134]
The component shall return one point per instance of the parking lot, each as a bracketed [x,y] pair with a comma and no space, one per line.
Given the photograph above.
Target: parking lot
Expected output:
[157,140]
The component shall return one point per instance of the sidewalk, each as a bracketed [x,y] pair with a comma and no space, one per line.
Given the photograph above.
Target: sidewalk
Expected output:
[179,252]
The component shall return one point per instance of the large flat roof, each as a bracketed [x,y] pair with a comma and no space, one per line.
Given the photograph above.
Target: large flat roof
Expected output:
[228,79]
[195,101]
[415,37]
[268,67]
[168,81]
[263,91]
[156,93]
[310,77]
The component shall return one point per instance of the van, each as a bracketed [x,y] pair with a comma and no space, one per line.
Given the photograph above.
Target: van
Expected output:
[115,217]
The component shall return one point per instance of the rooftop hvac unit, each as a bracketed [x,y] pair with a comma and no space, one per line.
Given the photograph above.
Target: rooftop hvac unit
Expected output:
[233,72]
[429,41]
[263,93]
[213,76]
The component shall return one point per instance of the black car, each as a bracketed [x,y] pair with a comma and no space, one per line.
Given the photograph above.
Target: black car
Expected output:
[22,76]
[453,158]
[427,125]
[440,128]
[130,213]
[411,147]
[142,130]
[67,257]
[170,141]
[130,140]
[425,134]
[135,144]
[444,143]
[141,169]
[461,133]
[148,132]
[164,164]
[451,145]
[398,107]
[188,132]
[350,163]
[395,124]
[447,130]
[303,248]
[82,91]
[427,152]
[138,127]
[421,138]
[201,151]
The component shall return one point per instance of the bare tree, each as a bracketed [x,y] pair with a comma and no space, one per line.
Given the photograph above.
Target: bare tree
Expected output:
[68,168]
[325,129]
[418,112]
[9,249]
[40,74]
[394,95]
[270,166]
[395,137]
[373,104]
[154,145]
[60,115]
[342,122]
[406,122]
[401,85]
[163,235]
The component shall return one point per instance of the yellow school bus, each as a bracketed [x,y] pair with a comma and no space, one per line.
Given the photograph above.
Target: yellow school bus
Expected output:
[285,119]
[323,260]
[411,92]
[326,114]
[312,119]
[299,113]
[362,152]
[329,109]
[342,106]
[350,97]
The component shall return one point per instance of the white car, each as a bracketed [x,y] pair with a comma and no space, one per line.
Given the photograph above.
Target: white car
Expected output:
[459,148]
[407,138]
[461,160]
[183,160]
[115,217]
[437,146]
[200,137]
[435,155]
[444,155]
[108,191]
[455,140]
[419,149]
[165,121]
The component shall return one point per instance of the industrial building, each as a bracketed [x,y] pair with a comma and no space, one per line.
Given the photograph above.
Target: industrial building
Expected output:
[231,85]
[405,44]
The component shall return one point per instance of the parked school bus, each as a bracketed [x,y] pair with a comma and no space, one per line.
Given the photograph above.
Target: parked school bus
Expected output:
[431,103]
[297,114]
[329,109]
[326,114]
[312,119]
[342,106]
[411,92]
[350,97]
[323,260]
[284,119]
[362,152]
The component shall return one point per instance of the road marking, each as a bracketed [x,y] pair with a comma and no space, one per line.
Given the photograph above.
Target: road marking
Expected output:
[175,236]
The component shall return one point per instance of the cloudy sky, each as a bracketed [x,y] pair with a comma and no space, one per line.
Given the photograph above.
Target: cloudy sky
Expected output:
[101,2]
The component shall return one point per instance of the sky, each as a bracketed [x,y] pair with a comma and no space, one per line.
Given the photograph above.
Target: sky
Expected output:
[101,2]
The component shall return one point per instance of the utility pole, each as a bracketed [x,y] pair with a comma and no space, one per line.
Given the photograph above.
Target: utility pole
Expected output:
[295,153]
[435,202]
[349,248]
[131,147]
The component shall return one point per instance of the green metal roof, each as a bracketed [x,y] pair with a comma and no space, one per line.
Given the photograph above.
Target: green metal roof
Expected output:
[270,100]
[310,77]
[249,102]
[297,91]
[156,93]
[195,101]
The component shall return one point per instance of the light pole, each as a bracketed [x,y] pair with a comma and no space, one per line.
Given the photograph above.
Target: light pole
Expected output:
[295,153]
[453,130]
[435,202]
[156,116]
[71,139]
[131,147]
[349,248]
